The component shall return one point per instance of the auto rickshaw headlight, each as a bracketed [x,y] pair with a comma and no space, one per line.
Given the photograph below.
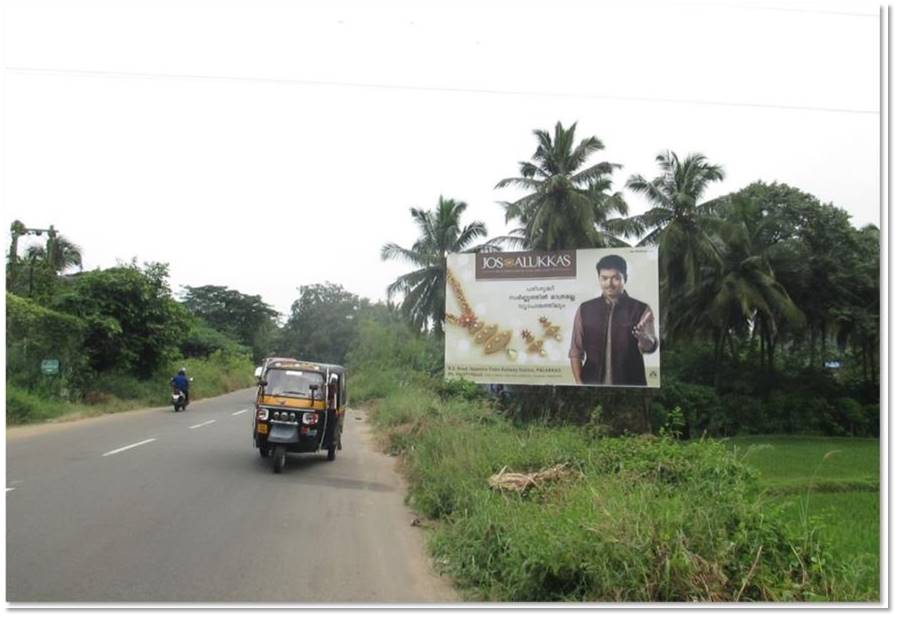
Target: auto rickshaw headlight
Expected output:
[261,413]
[309,418]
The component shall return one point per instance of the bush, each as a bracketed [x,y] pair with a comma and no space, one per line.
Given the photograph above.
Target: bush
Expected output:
[644,519]
[461,388]
[132,322]
[219,373]
[385,343]
[650,519]
[23,406]
[33,334]
[114,391]
[703,410]
[202,341]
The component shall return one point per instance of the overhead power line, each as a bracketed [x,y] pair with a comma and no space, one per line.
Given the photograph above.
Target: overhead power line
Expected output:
[786,9]
[385,86]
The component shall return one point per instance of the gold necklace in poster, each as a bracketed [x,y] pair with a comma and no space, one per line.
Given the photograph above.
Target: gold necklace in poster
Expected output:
[489,336]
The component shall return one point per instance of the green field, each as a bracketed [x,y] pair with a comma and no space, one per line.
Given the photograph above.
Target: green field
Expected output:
[843,501]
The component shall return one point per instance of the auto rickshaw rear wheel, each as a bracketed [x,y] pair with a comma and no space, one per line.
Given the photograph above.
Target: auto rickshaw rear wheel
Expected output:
[331,451]
[264,451]
[280,458]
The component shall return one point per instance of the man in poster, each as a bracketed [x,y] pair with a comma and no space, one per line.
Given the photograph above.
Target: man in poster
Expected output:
[611,332]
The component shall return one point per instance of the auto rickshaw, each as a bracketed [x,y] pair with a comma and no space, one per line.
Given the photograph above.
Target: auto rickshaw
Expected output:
[300,407]
[259,370]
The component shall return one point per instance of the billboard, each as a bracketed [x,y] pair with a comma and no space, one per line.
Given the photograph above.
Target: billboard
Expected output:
[587,317]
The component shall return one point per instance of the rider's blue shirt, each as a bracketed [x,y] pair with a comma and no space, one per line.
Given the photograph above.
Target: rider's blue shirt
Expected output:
[180,382]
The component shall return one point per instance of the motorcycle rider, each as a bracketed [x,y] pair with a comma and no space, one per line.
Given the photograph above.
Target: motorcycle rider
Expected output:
[180,382]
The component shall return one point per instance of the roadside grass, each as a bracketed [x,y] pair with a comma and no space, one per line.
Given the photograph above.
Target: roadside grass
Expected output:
[638,519]
[113,392]
[843,499]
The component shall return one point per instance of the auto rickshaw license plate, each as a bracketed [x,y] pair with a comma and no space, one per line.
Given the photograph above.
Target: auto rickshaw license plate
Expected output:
[262,428]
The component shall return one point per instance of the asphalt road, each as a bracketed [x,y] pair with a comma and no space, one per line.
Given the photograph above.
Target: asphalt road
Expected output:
[196,515]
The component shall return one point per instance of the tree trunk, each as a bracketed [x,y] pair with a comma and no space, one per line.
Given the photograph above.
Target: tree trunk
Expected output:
[812,346]
[865,363]
[718,357]
[762,337]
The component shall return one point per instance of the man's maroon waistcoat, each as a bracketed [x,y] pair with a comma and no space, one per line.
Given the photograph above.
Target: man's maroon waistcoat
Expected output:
[626,359]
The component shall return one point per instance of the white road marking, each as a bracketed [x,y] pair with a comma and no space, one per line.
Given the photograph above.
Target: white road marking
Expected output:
[10,489]
[133,445]
[202,424]
[237,413]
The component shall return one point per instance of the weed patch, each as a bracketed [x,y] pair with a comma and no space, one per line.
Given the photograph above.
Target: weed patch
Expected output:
[646,519]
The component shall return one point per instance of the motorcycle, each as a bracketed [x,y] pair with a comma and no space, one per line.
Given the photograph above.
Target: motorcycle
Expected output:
[179,398]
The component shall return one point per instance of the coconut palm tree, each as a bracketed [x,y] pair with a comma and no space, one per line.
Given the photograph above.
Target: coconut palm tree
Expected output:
[64,254]
[423,289]
[567,206]
[676,221]
[742,295]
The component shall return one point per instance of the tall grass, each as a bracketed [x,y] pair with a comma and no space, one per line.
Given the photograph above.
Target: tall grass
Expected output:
[648,519]
[828,487]
[640,519]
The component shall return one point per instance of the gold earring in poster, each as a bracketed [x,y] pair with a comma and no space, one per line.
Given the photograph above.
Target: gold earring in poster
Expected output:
[551,330]
[488,336]
[533,345]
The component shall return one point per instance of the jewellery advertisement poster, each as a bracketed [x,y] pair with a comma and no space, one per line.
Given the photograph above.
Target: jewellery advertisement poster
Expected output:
[588,317]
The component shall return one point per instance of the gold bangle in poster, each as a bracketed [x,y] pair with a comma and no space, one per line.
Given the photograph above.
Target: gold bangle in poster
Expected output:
[489,336]
[550,329]
[533,345]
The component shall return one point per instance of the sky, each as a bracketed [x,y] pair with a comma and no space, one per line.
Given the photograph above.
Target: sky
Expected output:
[264,145]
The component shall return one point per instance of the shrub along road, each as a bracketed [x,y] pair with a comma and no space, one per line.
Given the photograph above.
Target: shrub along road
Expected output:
[152,506]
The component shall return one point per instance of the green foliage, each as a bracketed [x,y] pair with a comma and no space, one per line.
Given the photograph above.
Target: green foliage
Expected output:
[386,341]
[243,318]
[24,405]
[33,334]
[648,519]
[220,372]
[569,205]
[462,389]
[323,323]
[133,324]
[202,340]
[35,278]
[387,354]
[831,484]
[798,400]
[423,289]
[113,391]
[701,408]
[677,221]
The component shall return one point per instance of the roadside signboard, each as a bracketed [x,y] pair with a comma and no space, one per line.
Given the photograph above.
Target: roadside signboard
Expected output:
[548,318]
[50,366]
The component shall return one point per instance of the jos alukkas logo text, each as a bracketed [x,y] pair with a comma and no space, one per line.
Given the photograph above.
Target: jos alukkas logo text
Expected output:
[523,262]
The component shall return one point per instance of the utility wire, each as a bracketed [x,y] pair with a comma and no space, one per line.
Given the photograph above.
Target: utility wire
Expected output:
[384,86]
[786,9]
